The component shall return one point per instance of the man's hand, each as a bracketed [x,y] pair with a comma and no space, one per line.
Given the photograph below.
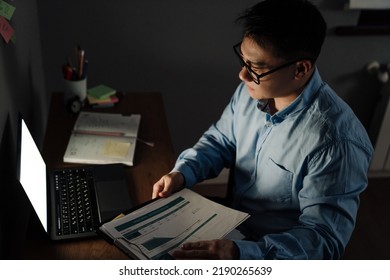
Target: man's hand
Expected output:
[219,249]
[167,184]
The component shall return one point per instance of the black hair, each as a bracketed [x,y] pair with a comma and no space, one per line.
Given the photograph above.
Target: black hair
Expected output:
[288,28]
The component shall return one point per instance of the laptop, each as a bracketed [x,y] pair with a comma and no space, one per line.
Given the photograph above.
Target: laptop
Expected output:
[70,202]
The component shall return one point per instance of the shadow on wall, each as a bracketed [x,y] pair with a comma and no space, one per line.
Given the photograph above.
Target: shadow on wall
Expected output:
[359,88]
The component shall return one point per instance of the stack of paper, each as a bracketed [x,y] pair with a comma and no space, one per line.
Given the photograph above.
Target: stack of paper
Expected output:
[158,228]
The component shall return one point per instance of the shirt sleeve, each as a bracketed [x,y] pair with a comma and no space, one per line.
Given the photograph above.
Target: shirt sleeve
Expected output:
[329,200]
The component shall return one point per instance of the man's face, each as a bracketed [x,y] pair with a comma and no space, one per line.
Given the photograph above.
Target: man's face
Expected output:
[280,83]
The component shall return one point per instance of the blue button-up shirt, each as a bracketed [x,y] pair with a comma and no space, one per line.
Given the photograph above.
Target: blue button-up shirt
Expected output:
[298,173]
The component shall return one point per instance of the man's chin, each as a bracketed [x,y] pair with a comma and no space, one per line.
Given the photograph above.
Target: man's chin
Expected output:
[252,93]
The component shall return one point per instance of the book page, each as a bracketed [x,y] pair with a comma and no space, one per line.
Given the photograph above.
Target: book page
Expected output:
[92,149]
[153,231]
[107,124]
[103,138]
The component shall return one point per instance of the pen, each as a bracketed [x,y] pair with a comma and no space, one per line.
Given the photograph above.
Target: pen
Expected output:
[81,63]
[99,133]
[117,134]
[85,68]
[76,67]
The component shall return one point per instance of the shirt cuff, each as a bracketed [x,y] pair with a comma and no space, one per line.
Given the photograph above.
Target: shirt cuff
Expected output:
[187,173]
[249,250]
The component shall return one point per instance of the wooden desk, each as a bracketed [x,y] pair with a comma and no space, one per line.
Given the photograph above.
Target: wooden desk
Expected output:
[149,165]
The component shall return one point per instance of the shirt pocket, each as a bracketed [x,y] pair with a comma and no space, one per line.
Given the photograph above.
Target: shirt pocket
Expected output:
[275,183]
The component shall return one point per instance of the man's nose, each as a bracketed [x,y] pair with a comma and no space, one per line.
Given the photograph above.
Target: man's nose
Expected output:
[244,75]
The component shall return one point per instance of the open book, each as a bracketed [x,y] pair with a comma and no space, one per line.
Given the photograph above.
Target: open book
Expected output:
[154,230]
[103,138]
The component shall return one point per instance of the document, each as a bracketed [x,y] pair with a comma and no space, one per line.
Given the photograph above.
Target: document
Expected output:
[155,230]
[103,138]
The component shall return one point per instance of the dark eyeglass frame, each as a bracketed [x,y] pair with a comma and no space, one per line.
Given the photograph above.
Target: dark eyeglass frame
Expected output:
[256,77]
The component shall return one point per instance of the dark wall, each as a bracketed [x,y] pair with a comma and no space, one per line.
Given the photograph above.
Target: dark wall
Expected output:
[184,50]
[22,90]
[180,48]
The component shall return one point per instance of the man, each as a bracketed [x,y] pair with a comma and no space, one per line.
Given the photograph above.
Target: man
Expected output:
[299,155]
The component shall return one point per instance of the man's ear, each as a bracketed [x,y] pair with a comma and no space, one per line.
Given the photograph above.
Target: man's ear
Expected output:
[303,67]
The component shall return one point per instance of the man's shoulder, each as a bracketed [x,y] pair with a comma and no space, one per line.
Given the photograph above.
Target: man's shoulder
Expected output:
[335,120]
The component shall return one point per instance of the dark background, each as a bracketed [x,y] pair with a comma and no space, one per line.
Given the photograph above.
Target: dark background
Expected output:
[182,49]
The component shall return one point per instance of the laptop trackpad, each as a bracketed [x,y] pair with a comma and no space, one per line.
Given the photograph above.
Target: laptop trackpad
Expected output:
[114,198]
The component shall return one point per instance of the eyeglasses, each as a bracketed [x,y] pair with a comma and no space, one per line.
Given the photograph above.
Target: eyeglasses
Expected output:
[254,76]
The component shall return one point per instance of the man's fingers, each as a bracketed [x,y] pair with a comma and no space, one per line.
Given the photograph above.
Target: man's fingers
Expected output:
[195,245]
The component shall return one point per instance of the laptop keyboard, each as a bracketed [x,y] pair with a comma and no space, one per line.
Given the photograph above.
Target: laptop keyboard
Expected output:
[74,210]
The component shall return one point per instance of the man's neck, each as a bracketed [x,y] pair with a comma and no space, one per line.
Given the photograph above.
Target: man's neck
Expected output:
[279,103]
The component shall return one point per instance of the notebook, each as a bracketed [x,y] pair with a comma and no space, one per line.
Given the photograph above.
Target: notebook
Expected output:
[70,202]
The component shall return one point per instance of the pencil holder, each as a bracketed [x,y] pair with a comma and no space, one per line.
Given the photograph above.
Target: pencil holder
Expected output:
[73,88]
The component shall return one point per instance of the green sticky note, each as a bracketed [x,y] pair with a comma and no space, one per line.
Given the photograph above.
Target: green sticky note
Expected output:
[6,10]
[101,92]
